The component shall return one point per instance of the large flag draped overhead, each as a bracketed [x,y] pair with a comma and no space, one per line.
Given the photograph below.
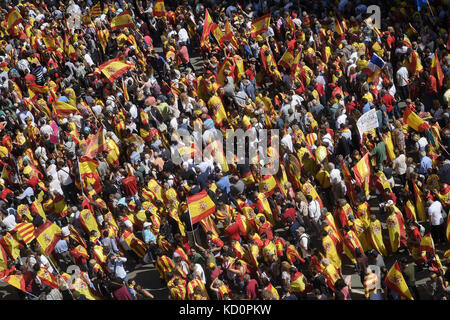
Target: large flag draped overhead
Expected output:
[114,68]
[200,206]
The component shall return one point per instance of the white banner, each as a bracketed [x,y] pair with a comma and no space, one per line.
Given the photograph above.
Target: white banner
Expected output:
[367,121]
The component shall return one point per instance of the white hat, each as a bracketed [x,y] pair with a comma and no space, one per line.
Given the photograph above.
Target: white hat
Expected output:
[147,224]
[65,232]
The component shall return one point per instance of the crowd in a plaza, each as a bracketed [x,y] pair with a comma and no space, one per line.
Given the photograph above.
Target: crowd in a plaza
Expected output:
[95,95]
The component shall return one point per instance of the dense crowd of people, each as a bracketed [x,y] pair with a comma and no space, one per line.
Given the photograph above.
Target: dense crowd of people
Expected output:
[94,95]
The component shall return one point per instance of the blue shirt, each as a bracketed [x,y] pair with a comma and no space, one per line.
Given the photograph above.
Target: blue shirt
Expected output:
[224,184]
[148,236]
[425,164]
[366,107]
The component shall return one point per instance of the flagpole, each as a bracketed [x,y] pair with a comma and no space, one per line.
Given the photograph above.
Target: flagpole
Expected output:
[54,267]
[192,227]
[79,173]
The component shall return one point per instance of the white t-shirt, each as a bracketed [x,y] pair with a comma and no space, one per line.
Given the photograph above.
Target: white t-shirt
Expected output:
[402,75]
[46,264]
[335,176]
[314,210]
[435,213]
[9,222]
[200,273]
[400,164]
[64,176]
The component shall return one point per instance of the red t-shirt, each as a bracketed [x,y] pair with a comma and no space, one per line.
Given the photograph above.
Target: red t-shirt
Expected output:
[387,100]
[5,193]
[130,185]
[252,289]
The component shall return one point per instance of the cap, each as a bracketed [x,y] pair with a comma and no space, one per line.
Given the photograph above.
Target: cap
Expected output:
[301,229]
[389,203]
[147,224]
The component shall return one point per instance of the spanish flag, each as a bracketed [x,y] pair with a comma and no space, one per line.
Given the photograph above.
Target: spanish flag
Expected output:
[36,88]
[11,245]
[200,206]
[287,60]
[114,68]
[420,206]
[427,244]
[159,10]
[260,25]
[16,280]
[96,144]
[96,10]
[229,35]
[226,64]
[267,185]
[46,277]
[62,109]
[207,24]
[134,243]
[88,221]
[3,259]
[13,18]
[89,174]
[437,70]
[362,170]
[217,33]
[395,281]
[47,236]
[414,121]
[25,232]
[122,20]
[49,42]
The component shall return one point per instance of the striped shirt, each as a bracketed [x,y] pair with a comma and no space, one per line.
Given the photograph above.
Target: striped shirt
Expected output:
[370,284]
[38,72]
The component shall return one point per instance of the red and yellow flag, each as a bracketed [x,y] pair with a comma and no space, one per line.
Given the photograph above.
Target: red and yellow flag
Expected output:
[362,169]
[87,165]
[122,20]
[96,144]
[96,10]
[217,33]
[159,10]
[414,121]
[267,185]
[200,206]
[88,221]
[207,24]
[62,109]
[3,259]
[11,245]
[134,243]
[437,70]
[427,244]
[46,277]
[260,25]
[25,232]
[287,60]
[420,206]
[16,280]
[13,18]
[395,281]
[447,232]
[114,68]
[125,91]
[47,236]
